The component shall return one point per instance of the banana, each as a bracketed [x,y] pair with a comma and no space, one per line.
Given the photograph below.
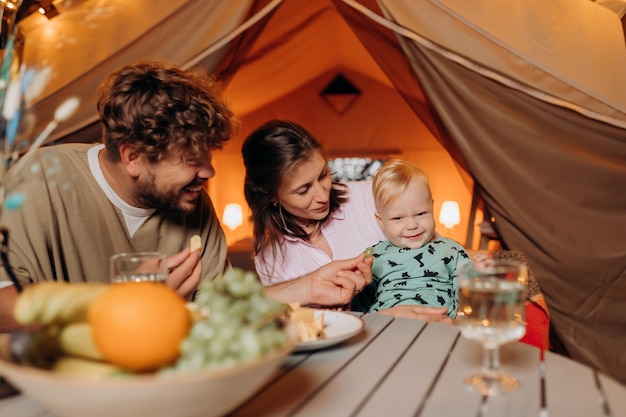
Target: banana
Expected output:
[55,316]
[85,369]
[54,302]
[75,340]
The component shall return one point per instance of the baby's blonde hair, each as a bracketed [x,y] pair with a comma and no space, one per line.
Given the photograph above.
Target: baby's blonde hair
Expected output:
[393,178]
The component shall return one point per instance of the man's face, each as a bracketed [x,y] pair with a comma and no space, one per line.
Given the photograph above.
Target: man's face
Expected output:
[173,184]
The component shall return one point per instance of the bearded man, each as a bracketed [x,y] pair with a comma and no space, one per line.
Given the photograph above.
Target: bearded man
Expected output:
[141,190]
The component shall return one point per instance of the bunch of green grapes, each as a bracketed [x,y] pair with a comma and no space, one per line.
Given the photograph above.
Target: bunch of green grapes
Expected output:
[239,324]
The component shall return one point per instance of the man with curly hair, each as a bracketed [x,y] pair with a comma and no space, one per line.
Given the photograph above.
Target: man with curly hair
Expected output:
[141,190]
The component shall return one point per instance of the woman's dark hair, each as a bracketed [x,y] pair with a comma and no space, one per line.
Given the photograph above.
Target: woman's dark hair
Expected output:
[269,154]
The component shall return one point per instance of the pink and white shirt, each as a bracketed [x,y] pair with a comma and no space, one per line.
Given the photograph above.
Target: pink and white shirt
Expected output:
[350,230]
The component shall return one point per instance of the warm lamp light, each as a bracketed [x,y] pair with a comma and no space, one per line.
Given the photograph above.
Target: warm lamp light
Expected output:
[450,214]
[233,216]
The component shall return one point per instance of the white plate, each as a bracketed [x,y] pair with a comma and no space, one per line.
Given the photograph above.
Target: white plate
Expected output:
[338,326]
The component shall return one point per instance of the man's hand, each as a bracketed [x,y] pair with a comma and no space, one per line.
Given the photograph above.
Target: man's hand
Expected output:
[184,272]
[8,296]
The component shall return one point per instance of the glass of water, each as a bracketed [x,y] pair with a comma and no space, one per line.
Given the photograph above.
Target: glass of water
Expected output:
[491,311]
[139,266]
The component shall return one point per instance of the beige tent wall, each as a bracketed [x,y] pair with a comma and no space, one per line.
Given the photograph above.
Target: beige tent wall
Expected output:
[543,134]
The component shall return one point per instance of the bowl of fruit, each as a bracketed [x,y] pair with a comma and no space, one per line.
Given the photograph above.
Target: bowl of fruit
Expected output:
[139,349]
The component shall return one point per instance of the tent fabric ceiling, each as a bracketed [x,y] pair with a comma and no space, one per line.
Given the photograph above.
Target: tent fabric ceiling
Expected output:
[302,47]
[179,30]
[562,156]
[91,39]
[555,47]
[310,38]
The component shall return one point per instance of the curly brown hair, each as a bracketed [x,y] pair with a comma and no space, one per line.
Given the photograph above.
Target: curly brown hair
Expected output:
[158,107]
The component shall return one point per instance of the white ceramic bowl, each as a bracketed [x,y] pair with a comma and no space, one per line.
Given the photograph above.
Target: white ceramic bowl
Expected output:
[202,394]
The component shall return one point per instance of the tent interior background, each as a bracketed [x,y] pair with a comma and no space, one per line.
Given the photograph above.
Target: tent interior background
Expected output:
[527,96]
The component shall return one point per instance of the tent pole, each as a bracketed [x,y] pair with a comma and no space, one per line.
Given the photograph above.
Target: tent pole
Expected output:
[472,218]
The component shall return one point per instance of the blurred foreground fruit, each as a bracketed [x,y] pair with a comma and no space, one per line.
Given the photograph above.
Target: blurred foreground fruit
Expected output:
[54,315]
[85,369]
[75,339]
[139,326]
[238,323]
[57,303]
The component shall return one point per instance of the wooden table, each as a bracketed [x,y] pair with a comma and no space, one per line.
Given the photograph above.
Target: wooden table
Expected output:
[406,367]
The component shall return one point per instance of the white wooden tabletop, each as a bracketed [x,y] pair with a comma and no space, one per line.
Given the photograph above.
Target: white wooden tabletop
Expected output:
[403,367]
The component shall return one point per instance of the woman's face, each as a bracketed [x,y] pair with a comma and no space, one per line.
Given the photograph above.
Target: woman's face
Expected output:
[305,190]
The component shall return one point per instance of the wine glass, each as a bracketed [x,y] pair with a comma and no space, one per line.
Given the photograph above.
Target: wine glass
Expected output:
[491,311]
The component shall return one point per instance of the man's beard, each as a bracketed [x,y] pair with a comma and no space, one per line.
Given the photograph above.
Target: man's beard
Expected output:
[147,195]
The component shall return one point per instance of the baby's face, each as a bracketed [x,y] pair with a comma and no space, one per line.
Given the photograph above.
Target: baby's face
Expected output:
[408,221]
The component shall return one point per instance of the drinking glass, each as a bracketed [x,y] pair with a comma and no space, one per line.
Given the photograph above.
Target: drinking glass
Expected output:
[139,266]
[491,311]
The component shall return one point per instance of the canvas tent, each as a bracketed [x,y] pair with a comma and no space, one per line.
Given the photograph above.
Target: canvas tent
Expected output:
[527,96]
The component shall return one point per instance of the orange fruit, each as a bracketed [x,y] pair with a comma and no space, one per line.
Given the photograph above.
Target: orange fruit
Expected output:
[139,326]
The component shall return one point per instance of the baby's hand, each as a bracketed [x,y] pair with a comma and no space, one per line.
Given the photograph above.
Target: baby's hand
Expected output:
[482,261]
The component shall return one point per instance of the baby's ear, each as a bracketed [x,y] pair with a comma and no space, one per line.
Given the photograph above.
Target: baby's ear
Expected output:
[380,219]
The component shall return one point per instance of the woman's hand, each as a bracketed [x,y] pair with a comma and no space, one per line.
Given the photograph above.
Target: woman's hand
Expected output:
[333,284]
[184,272]
[336,283]
[352,274]
[429,314]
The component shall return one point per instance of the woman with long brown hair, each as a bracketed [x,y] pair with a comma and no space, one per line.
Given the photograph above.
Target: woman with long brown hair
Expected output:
[310,232]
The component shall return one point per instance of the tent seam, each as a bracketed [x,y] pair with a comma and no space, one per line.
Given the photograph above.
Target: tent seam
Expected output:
[224,40]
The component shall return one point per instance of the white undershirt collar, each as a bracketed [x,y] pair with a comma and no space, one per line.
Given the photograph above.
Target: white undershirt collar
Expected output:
[133,216]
